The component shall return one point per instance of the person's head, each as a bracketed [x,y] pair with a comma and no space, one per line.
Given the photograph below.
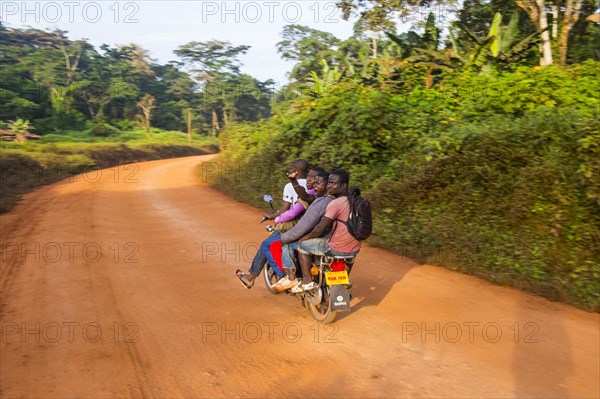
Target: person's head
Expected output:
[312,173]
[300,166]
[338,183]
[321,180]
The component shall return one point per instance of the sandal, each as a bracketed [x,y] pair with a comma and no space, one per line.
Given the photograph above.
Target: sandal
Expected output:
[297,289]
[285,284]
[240,274]
[304,287]
[310,286]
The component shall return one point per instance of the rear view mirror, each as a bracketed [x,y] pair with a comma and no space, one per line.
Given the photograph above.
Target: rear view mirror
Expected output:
[267,198]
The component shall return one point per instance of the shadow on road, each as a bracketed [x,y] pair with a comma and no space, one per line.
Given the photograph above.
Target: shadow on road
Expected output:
[371,283]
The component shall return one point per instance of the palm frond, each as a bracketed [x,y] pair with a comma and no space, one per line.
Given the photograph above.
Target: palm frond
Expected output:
[494,34]
[468,32]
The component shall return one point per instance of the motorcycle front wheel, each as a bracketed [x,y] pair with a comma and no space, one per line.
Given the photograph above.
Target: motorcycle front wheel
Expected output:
[322,312]
[270,278]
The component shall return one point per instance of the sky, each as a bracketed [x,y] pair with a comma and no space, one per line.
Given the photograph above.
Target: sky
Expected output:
[160,26]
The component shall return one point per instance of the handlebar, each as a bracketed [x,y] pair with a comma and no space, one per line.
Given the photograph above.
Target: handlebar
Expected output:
[269,228]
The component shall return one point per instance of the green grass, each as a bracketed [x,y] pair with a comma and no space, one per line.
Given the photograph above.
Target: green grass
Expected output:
[137,135]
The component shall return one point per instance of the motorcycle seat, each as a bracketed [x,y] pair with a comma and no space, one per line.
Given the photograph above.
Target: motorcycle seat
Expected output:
[343,256]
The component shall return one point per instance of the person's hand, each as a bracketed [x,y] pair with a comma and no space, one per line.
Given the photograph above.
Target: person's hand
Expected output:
[269,216]
[293,174]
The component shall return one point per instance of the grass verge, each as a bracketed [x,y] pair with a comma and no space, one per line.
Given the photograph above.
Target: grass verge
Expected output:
[25,167]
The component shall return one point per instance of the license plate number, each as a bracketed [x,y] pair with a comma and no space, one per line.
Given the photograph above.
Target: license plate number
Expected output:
[335,278]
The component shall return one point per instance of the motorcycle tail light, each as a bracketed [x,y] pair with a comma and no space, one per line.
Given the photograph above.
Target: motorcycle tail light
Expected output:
[314,271]
[338,265]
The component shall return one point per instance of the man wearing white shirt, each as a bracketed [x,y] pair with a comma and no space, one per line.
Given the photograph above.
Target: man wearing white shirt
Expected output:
[289,194]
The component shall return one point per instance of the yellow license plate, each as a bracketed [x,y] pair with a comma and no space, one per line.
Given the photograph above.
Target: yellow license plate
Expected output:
[334,278]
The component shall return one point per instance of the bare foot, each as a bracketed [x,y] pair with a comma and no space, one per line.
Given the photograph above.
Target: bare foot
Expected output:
[246,279]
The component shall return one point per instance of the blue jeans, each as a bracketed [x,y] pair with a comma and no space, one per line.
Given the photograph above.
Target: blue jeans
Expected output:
[266,248]
[263,255]
[288,254]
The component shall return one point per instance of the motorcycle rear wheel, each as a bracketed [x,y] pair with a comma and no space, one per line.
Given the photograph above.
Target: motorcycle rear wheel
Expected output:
[322,312]
[270,278]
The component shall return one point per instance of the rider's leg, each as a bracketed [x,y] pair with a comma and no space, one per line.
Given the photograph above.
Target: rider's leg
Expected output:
[287,259]
[266,249]
[257,264]
[316,246]
[305,263]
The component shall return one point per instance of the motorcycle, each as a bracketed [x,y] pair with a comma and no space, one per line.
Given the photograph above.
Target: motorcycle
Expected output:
[329,273]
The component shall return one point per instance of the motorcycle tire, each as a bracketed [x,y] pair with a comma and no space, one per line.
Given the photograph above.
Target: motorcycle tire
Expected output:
[270,278]
[322,312]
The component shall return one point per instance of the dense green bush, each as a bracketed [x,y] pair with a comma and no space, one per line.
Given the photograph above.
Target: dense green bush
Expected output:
[510,205]
[496,175]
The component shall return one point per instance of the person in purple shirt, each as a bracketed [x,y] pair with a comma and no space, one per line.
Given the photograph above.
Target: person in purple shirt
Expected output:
[305,197]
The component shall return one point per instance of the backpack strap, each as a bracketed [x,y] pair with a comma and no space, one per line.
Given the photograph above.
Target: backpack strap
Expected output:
[340,220]
[350,198]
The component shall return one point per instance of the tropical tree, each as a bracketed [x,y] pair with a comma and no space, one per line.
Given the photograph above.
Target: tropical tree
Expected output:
[211,63]
[428,44]
[382,15]
[536,9]
[585,40]
[174,90]
[570,15]
[147,103]
[57,64]
[59,83]
[308,47]
[422,50]
[500,47]
[566,27]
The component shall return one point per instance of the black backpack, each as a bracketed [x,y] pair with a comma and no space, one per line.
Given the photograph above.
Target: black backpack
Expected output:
[360,223]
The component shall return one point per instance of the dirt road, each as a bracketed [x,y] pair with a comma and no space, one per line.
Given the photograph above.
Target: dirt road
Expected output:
[121,284]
